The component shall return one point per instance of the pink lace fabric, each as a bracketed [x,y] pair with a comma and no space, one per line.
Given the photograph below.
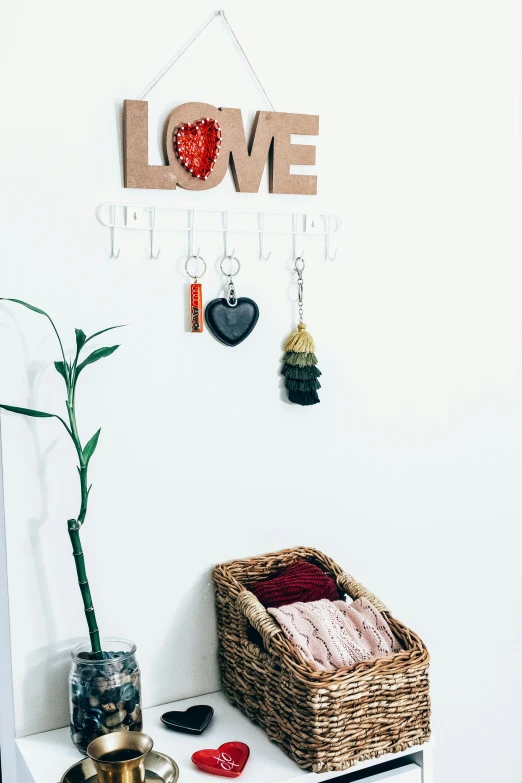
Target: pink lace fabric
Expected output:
[332,634]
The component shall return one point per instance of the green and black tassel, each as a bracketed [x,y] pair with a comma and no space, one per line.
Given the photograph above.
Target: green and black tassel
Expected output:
[299,368]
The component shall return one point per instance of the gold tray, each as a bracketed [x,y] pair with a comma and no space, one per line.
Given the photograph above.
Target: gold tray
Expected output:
[159,768]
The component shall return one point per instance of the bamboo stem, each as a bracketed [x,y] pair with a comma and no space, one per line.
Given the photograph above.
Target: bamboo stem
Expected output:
[74,533]
[84,494]
[90,615]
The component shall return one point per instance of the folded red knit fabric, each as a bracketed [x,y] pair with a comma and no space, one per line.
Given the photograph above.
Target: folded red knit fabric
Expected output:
[301,581]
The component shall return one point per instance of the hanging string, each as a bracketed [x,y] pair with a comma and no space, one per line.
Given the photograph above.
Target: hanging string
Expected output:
[169,65]
[222,13]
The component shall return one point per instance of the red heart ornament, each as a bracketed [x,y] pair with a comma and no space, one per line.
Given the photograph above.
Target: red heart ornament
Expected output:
[197,146]
[228,760]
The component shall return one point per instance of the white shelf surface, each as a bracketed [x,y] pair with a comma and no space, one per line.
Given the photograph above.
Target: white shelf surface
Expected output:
[47,756]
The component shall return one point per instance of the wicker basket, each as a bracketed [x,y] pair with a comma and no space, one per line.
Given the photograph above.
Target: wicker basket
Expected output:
[325,721]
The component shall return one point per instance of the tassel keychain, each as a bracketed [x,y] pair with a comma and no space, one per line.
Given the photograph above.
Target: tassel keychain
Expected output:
[299,362]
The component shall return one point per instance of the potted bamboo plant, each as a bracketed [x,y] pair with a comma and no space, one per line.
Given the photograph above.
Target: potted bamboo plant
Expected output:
[105,688]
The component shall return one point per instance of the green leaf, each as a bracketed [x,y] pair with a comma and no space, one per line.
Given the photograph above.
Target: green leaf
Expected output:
[99,353]
[109,329]
[28,412]
[35,414]
[81,339]
[41,312]
[62,369]
[30,307]
[90,447]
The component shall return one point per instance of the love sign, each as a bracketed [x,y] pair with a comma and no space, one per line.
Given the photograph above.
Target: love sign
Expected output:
[202,141]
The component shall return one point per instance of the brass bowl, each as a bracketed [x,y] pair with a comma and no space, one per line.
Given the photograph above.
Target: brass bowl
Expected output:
[119,757]
[157,765]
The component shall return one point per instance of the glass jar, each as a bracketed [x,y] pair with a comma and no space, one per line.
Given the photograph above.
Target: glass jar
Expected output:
[104,695]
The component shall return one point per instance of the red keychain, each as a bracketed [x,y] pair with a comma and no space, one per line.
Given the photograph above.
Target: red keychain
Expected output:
[196,307]
[196,295]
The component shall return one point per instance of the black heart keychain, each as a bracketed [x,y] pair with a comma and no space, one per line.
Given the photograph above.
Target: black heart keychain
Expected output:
[231,319]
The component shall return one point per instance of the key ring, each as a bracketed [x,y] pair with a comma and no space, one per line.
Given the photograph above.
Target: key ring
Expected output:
[198,258]
[229,258]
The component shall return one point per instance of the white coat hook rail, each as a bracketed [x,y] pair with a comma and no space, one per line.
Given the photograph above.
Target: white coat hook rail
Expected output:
[167,219]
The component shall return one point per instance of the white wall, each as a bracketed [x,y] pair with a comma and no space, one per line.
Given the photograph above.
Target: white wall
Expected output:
[7,718]
[408,473]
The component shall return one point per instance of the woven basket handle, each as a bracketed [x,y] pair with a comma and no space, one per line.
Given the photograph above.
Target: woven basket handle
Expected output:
[356,590]
[258,617]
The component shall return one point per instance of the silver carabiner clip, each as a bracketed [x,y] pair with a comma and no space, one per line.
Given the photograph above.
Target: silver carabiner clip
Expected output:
[300,286]
[231,293]
[299,268]
[231,289]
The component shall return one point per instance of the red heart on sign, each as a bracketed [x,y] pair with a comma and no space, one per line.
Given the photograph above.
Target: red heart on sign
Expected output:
[197,146]
[228,760]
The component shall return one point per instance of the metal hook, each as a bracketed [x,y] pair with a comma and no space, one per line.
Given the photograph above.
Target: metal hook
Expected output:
[153,256]
[294,234]
[225,231]
[225,235]
[112,232]
[191,229]
[262,256]
[328,256]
